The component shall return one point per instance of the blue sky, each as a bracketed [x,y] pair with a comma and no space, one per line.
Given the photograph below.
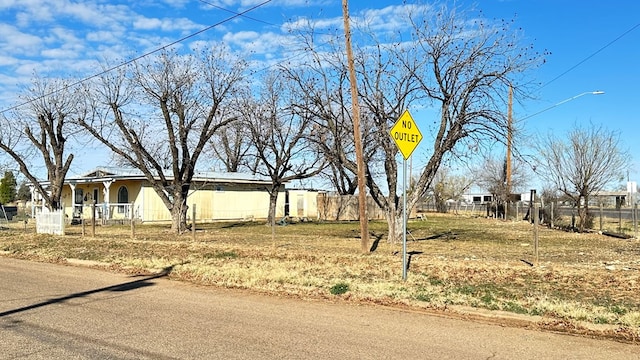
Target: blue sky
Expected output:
[593,45]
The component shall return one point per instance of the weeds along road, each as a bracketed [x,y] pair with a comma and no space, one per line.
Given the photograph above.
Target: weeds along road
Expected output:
[62,312]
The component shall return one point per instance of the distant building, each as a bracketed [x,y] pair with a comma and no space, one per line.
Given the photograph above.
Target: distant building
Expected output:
[477,198]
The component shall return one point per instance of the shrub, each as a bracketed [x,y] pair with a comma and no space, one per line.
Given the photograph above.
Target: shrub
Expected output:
[339,288]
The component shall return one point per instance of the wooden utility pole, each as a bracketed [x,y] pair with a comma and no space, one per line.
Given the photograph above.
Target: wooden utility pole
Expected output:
[508,167]
[362,195]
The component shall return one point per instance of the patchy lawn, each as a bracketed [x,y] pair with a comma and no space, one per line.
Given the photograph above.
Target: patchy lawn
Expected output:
[582,282]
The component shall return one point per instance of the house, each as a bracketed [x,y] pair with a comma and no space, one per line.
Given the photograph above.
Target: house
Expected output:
[125,193]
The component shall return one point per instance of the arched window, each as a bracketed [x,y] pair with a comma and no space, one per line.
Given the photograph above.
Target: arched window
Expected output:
[123,198]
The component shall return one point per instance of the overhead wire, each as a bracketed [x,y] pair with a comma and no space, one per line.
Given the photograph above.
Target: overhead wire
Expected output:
[590,56]
[283,60]
[236,13]
[133,60]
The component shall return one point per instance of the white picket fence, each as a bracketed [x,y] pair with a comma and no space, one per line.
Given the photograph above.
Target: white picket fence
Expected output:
[50,222]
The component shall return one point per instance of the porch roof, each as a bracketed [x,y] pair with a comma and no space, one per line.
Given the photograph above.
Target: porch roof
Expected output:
[104,173]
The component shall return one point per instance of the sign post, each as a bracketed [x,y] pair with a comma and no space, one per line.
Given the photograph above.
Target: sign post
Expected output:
[407,136]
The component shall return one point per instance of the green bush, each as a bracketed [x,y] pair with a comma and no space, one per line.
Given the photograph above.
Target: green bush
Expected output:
[339,288]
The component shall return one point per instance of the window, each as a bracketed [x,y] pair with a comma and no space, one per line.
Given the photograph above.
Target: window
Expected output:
[79,196]
[123,198]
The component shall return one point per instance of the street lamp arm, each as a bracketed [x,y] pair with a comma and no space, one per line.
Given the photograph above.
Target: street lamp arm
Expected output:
[597,92]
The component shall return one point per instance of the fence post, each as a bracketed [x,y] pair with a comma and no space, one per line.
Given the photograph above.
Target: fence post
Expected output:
[601,215]
[93,219]
[193,222]
[635,219]
[133,223]
[620,220]
[536,221]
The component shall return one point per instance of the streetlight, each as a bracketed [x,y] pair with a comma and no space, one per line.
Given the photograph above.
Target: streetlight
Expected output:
[508,160]
[597,92]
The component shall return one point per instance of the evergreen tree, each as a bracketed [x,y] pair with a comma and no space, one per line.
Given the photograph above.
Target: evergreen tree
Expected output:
[8,186]
[24,193]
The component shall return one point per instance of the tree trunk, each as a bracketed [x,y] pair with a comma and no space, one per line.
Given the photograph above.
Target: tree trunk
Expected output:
[395,224]
[582,214]
[179,214]
[273,202]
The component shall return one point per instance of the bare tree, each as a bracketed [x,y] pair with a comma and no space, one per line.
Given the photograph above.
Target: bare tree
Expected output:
[462,68]
[491,175]
[38,131]
[160,114]
[581,164]
[231,145]
[447,186]
[322,81]
[469,67]
[279,137]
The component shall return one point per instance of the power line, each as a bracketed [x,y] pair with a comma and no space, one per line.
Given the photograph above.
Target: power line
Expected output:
[283,60]
[235,15]
[592,55]
[238,14]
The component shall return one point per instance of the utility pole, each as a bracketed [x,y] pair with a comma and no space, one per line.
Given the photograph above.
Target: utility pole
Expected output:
[362,195]
[509,135]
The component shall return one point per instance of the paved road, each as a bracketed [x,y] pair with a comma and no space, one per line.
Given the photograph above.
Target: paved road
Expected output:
[62,312]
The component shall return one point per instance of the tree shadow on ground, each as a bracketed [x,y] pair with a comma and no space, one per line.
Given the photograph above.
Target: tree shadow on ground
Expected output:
[376,242]
[410,257]
[234,225]
[128,286]
[448,235]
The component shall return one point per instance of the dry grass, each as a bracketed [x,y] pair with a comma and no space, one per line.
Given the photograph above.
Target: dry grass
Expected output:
[454,261]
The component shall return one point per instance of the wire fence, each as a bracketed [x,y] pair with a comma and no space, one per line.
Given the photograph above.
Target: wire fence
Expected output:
[615,221]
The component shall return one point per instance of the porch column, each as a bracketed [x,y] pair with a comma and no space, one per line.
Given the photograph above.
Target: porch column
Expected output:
[32,189]
[73,200]
[106,192]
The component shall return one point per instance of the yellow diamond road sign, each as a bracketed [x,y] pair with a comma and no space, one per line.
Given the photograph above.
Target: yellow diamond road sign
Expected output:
[406,134]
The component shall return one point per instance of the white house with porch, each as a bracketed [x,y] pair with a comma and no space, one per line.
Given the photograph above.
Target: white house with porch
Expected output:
[125,193]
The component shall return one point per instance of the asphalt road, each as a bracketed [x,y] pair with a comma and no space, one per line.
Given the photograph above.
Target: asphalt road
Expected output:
[63,312]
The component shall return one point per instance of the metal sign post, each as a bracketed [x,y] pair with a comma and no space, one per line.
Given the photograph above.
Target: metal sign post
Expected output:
[404,220]
[407,136]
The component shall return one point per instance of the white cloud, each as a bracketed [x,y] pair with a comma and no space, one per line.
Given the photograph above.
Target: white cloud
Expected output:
[389,19]
[147,23]
[176,3]
[304,23]
[104,36]
[60,53]
[7,60]
[13,41]
[246,4]
[253,42]
[167,24]
[62,36]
